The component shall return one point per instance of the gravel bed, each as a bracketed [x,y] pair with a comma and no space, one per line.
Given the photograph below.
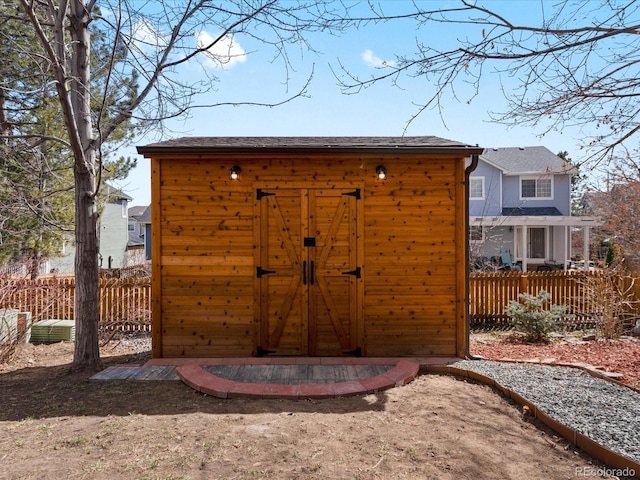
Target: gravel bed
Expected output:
[603,411]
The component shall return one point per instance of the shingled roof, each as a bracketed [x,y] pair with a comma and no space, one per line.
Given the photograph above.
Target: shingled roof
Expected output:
[531,212]
[526,160]
[424,144]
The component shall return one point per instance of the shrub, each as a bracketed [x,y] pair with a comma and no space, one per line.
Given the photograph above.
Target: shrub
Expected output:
[532,317]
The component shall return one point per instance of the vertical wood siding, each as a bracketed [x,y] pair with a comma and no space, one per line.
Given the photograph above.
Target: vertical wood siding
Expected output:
[410,258]
[205,239]
[206,260]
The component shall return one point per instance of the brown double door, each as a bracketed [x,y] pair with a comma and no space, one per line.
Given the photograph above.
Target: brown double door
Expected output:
[308,272]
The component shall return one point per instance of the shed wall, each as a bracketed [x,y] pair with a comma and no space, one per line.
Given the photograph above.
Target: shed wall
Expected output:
[412,293]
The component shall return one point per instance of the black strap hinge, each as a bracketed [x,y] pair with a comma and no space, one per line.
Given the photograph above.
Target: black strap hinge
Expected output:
[355,193]
[261,271]
[261,193]
[262,352]
[357,352]
[355,272]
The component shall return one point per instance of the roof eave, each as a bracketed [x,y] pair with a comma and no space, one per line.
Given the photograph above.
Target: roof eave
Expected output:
[153,150]
[532,220]
[502,168]
[539,173]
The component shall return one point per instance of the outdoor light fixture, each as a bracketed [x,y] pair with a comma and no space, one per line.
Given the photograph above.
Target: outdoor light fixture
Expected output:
[381,171]
[234,172]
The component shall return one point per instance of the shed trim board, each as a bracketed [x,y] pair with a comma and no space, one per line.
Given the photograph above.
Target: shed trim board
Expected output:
[308,253]
[156,268]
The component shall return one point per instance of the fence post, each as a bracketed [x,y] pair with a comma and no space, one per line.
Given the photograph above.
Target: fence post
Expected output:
[524,283]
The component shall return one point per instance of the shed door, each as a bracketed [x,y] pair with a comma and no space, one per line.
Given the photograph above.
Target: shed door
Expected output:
[308,272]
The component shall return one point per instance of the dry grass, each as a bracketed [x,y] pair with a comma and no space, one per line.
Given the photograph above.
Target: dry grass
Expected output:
[614,295]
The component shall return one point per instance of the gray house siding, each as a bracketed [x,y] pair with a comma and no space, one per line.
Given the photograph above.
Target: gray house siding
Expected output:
[114,234]
[561,190]
[65,262]
[492,202]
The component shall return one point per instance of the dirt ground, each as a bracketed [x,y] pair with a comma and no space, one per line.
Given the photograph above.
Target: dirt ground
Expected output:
[54,425]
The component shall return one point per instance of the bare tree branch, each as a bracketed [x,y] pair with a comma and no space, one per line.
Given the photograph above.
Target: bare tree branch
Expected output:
[141,82]
[575,67]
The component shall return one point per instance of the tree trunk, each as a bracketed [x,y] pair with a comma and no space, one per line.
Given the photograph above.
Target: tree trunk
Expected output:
[87,312]
[34,262]
[86,355]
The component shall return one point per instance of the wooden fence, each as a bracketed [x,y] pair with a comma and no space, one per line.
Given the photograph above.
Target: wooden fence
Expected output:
[126,302]
[587,294]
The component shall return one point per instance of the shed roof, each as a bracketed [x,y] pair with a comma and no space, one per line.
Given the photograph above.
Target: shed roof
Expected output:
[423,144]
[523,160]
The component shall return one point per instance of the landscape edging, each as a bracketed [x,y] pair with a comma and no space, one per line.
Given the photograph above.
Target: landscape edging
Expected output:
[594,449]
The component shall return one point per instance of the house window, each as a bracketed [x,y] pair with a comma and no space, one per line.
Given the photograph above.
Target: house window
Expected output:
[131,227]
[540,188]
[476,188]
[476,233]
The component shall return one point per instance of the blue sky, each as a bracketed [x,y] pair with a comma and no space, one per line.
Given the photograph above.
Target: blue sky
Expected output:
[382,110]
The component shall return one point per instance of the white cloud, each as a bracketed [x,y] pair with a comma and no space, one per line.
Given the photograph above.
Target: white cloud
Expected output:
[147,37]
[225,53]
[374,61]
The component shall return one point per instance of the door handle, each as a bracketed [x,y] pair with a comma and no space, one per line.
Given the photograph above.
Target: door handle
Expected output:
[304,272]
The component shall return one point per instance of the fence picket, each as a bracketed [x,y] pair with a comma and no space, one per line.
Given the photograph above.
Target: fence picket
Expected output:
[564,288]
[124,302]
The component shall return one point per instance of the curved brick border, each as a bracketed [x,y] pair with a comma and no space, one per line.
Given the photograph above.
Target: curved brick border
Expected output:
[196,377]
[607,456]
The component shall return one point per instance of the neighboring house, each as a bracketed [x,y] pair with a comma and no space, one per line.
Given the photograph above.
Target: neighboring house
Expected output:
[139,247]
[145,223]
[134,225]
[520,204]
[112,230]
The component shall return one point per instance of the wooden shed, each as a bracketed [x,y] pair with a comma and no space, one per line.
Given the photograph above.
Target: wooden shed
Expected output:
[309,246]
